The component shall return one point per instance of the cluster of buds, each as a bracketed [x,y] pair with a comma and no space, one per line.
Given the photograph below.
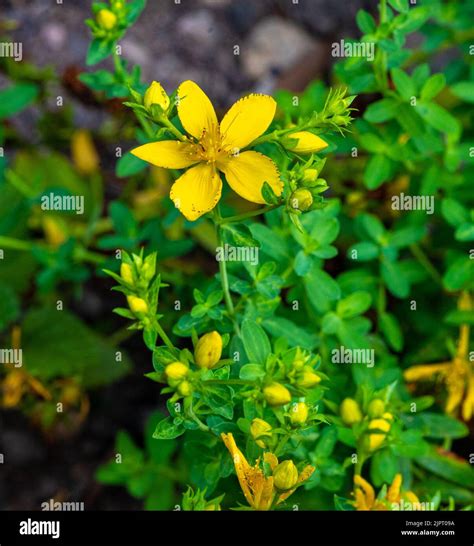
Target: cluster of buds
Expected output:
[379,420]
[306,186]
[302,373]
[336,114]
[109,22]
[196,501]
[178,377]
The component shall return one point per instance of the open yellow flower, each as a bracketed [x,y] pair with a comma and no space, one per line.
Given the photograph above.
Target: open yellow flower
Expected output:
[458,373]
[259,490]
[212,148]
[365,496]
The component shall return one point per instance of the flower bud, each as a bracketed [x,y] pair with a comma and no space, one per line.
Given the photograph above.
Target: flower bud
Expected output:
[299,413]
[350,412]
[106,19]
[376,438]
[285,475]
[137,305]
[310,175]
[208,350]
[176,371]
[276,394]
[126,272]
[301,199]
[155,94]
[307,142]
[260,430]
[376,408]
[84,154]
[308,379]
[185,388]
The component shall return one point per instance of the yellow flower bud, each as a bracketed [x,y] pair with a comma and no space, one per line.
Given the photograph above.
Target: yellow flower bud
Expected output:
[155,94]
[307,142]
[208,350]
[301,199]
[106,19]
[376,438]
[376,408]
[388,416]
[176,371]
[308,379]
[126,272]
[310,175]
[260,430]
[276,394]
[185,388]
[350,411]
[137,305]
[285,476]
[84,154]
[299,413]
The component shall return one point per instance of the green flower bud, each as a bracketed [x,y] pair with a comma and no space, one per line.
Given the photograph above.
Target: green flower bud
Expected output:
[310,175]
[137,305]
[176,371]
[376,408]
[307,379]
[185,388]
[155,94]
[106,19]
[301,199]
[285,475]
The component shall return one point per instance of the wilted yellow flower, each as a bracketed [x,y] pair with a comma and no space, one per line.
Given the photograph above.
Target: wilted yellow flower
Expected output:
[208,350]
[155,94]
[285,475]
[137,305]
[126,272]
[84,154]
[276,394]
[350,411]
[106,19]
[307,143]
[260,430]
[176,371]
[259,490]
[457,374]
[365,498]
[301,199]
[299,413]
[212,148]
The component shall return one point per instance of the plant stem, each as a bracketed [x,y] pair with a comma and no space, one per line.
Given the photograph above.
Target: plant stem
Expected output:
[245,215]
[425,262]
[163,335]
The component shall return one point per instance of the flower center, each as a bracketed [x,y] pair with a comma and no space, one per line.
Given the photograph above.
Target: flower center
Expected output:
[209,148]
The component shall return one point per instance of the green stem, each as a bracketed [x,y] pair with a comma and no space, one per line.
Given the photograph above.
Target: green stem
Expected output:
[167,123]
[245,215]
[228,382]
[425,262]
[14,244]
[163,335]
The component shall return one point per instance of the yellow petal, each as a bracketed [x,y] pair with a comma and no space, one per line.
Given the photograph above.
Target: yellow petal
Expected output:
[424,371]
[306,143]
[393,494]
[360,502]
[246,120]
[170,154]
[197,191]
[468,405]
[367,489]
[271,459]
[247,172]
[195,110]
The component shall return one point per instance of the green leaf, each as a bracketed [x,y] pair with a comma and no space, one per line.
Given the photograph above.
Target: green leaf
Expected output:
[269,195]
[128,165]
[391,330]
[381,110]
[16,98]
[384,466]
[394,279]
[256,342]
[409,120]
[448,468]
[363,251]
[251,372]
[460,274]
[321,289]
[98,51]
[239,235]
[403,84]
[465,232]
[464,90]
[453,212]
[365,22]
[433,86]
[166,429]
[436,425]
[353,305]
[327,442]
[406,236]
[439,118]
[377,171]
[399,5]
[294,334]
[9,306]
[372,225]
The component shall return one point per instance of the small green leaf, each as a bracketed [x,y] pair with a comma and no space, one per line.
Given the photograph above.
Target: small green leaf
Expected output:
[381,110]
[377,171]
[15,98]
[256,343]
[166,429]
[403,83]
[464,91]
[433,86]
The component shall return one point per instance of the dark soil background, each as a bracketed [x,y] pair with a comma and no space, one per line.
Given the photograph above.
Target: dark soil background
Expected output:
[282,44]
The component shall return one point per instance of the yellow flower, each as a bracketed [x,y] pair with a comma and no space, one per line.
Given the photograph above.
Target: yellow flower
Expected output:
[208,350]
[299,413]
[137,305]
[276,394]
[259,490]
[457,374]
[350,412]
[260,430]
[155,94]
[84,154]
[307,143]
[212,148]
[106,19]
[176,371]
[365,498]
